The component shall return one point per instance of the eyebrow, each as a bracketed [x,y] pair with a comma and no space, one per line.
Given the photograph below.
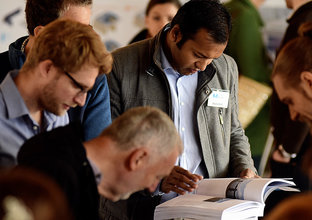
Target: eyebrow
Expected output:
[201,55]
[78,84]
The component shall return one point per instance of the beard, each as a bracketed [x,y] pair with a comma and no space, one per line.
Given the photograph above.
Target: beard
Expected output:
[48,100]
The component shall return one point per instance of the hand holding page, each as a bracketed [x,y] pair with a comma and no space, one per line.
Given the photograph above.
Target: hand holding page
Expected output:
[223,198]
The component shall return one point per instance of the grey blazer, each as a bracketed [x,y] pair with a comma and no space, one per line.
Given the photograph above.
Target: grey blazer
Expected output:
[137,79]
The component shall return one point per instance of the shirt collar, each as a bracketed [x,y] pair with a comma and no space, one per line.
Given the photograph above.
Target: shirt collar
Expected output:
[16,106]
[166,65]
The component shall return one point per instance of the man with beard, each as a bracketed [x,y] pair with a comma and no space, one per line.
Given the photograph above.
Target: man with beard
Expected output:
[60,69]
[95,114]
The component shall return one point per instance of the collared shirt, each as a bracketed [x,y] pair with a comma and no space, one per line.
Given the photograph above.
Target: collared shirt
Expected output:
[183,90]
[16,123]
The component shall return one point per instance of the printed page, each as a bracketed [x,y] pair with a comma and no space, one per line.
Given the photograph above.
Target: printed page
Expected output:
[254,189]
[259,188]
[214,187]
[208,207]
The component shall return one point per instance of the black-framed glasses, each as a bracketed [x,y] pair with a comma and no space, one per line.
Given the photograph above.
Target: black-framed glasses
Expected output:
[82,89]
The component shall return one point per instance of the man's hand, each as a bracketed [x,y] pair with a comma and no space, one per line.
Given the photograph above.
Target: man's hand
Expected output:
[179,181]
[248,173]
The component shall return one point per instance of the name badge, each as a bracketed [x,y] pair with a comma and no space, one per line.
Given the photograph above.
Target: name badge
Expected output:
[219,98]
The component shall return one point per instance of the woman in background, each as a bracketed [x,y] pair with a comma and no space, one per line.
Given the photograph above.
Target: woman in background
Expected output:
[157,14]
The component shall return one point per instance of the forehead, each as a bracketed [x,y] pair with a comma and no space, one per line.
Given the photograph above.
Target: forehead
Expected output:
[165,8]
[279,85]
[80,14]
[202,42]
[284,92]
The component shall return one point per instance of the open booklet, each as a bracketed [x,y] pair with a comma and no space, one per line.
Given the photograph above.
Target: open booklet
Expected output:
[223,198]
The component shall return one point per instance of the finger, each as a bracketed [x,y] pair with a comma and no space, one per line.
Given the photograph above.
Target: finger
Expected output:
[184,183]
[173,183]
[193,177]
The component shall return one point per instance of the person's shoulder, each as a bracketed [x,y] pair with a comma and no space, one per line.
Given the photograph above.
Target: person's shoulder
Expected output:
[140,36]
[100,81]
[3,109]
[55,138]
[240,9]
[5,65]
[224,59]
[135,52]
[4,56]
[136,46]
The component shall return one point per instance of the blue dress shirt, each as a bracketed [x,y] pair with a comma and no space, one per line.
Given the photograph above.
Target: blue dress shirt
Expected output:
[183,89]
[16,123]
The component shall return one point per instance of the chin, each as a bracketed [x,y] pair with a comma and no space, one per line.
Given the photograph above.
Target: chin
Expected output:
[125,196]
[59,113]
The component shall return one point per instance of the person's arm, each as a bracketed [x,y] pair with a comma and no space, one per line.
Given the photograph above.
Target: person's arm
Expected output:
[97,115]
[115,92]
[247,48]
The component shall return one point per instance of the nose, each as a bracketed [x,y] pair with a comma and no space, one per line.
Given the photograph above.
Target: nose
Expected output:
[80,99]
[202,64]
[293,114]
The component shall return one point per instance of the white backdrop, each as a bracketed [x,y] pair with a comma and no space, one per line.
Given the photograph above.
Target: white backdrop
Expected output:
[117,21]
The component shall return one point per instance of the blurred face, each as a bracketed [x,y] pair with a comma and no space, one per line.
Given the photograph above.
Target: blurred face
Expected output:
[195,54]
[67,90]
[159,16]
[299,100]
[146,178]
[80,14]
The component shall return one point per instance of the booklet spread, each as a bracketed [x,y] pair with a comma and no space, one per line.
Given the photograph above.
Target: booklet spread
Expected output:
[223,198]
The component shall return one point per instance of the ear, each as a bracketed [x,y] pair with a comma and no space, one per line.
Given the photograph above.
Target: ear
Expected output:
[37,30]
[306,78]
[175,34]
[45,67]
[138,158]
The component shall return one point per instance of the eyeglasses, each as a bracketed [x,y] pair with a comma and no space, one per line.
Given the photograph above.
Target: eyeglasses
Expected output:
[82,89]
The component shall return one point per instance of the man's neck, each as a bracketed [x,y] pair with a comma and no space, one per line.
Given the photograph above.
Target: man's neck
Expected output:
[104,154]
[28,92]
[29,44]
[167,51]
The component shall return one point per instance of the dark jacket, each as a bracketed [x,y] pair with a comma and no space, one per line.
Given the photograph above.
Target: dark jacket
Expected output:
[12,59]
[94,115]
[142,35]
[61,155]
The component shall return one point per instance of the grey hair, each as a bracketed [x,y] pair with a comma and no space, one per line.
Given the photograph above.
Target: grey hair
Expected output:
[144,126]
